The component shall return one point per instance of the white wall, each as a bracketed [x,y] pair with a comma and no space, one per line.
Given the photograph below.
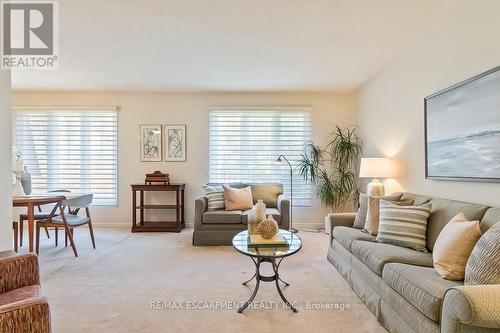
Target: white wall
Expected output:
[5,163]
[391,113]
[189,109]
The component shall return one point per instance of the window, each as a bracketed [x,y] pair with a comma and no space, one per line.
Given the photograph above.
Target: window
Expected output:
[73,149]
[245,143]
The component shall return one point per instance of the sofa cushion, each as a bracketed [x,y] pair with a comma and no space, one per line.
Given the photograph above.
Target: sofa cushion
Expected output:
[403,225]
[490,218]
[454,246]
[444,210]
[373,214]
[215,197]
[360,220]
[222,217]
[269,211]
[237,198]
[483,266]
[267,192]
[19,294]
[421,286]
[376,255]
[345,236]
[419,199]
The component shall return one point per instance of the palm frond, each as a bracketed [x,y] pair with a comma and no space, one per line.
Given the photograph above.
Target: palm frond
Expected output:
[333,168]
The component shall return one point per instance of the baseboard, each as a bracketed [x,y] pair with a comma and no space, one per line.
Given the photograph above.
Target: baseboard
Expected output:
[306,226]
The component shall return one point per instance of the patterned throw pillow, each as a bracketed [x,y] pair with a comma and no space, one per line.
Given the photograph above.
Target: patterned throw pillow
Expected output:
[483,266]
[360,220]
[404,225]
[215,197]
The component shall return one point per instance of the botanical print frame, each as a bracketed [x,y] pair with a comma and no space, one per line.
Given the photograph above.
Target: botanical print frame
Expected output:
[462,130]
[175,143]
[151,143]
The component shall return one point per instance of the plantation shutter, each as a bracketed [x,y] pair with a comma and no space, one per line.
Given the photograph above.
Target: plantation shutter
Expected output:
[244,143]
[70,148]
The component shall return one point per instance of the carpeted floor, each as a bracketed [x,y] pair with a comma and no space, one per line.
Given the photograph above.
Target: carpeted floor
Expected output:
[112,289]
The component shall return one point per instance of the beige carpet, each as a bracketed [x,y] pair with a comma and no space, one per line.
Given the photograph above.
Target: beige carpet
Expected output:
[111,289]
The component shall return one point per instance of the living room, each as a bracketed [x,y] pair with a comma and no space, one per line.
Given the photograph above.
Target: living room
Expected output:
[243,88]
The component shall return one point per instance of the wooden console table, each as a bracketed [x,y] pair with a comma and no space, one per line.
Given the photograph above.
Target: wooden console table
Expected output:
[144,226]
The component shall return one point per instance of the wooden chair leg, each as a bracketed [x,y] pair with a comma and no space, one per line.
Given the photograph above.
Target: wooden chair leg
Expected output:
[69,233]
[21,227]
[65,238]
[57,235]
[37,227]
[47,232]
[92,234]
[16,235]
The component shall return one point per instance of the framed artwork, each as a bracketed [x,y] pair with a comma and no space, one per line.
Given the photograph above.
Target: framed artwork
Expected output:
[175,143]
[151,143]
[462,130]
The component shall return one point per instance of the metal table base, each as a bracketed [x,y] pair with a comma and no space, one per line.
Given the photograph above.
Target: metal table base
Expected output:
[263,278]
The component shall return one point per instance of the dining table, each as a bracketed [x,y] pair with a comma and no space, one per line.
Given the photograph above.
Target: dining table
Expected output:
[34,200]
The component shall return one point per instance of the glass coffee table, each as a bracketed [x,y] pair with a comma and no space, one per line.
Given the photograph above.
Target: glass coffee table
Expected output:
[271,254]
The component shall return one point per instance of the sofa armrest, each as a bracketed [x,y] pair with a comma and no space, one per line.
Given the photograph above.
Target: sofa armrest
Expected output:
[18,271]
[200,207]
[473,305]
[283,204]
[30,315]
[339,219]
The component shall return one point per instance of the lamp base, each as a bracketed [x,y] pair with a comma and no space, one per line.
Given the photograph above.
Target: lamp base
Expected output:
[293,230]
[376,189]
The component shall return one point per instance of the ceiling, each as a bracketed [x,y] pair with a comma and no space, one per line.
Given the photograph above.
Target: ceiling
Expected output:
[231,45]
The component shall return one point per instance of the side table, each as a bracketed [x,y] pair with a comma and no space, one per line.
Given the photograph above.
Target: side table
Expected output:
[146,226]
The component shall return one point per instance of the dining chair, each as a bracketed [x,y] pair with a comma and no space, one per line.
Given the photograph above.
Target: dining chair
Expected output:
[40,215]
[15,226]
[69,221]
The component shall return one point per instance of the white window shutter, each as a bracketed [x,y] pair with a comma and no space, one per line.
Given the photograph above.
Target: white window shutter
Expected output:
[244,143]
[72,149]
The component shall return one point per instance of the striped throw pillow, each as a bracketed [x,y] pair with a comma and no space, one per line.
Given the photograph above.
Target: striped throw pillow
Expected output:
[483,266]
[215,197]
[404,225]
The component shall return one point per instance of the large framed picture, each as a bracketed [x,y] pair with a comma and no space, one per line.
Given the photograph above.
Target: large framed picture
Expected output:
[151,143]
[175,143]
[462,130]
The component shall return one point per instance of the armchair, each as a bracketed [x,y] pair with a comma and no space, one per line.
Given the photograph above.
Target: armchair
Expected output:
[22,308]
[219,227]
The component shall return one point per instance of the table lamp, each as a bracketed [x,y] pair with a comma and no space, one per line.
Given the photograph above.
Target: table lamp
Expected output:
[375,168]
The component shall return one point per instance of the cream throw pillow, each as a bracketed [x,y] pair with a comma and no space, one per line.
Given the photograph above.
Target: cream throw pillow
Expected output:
[373,212]
[360,220]
[454,246]
[238,198]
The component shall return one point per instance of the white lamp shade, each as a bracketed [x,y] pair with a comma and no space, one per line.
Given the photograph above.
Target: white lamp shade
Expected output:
[379,167]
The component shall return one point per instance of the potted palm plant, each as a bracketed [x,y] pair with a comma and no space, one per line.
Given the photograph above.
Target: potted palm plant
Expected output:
[333,167]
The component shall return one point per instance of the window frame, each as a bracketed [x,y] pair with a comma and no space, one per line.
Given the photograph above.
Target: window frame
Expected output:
[73,108]
[266,108]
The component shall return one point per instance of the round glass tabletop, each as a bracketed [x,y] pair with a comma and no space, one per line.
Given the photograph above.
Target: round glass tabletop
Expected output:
[241,242]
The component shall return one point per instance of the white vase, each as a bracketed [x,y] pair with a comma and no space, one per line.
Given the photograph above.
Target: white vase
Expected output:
[17,188]
[260,210]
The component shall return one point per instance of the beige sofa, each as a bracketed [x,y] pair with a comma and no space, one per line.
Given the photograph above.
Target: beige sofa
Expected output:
[400,285]
[220,226]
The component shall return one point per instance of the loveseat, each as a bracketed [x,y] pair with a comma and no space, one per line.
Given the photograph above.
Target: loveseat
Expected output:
[401,287]
[218,227]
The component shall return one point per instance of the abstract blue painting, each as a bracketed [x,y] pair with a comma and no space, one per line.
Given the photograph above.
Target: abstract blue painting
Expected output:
[463,130]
